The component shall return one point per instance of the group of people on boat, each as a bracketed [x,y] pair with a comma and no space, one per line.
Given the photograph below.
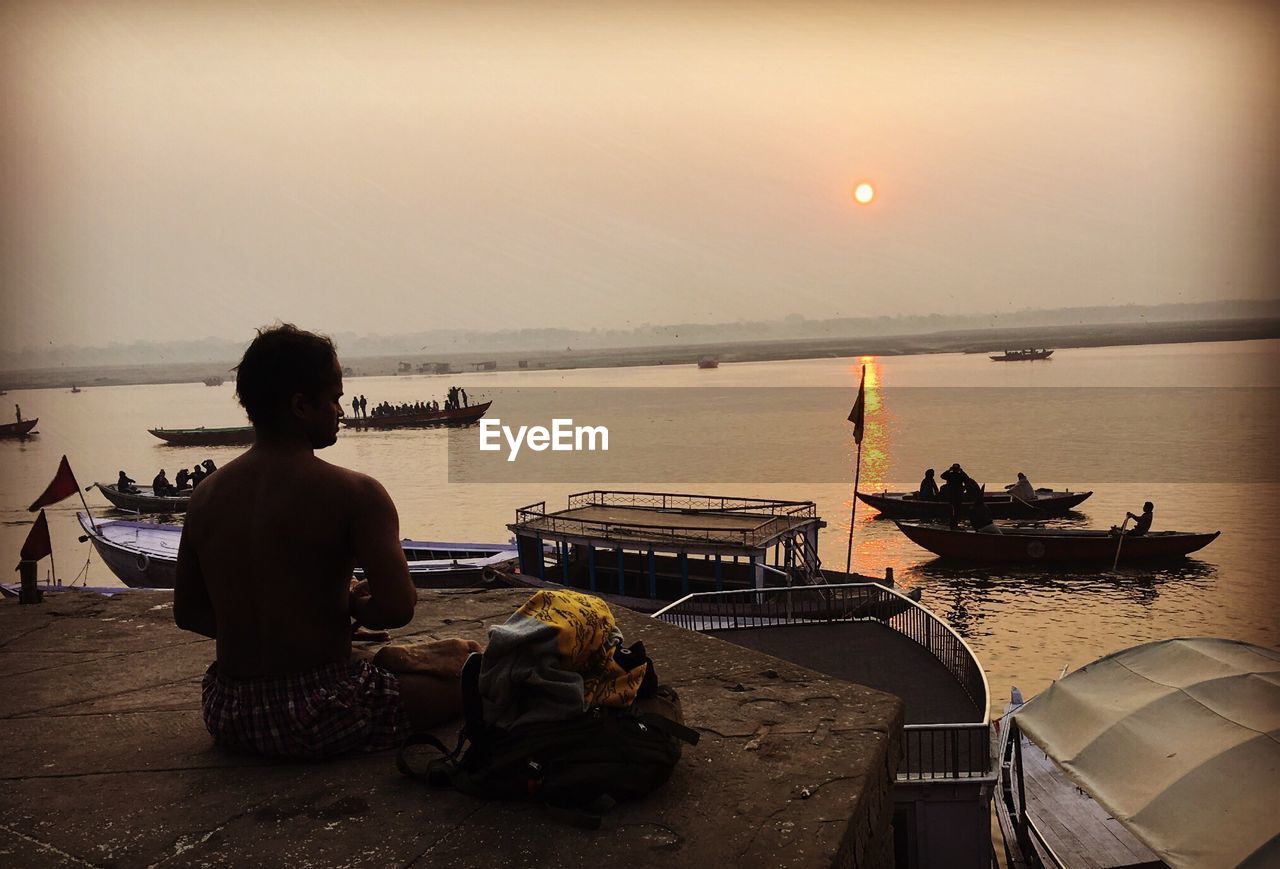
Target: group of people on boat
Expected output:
[184,481]
[454,399]
[959,489]
[966,496]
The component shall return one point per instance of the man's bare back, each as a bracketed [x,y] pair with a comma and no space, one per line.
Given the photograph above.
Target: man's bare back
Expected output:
[265,567]
[276,536]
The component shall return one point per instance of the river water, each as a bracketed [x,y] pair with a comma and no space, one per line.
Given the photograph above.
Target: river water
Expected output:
[1190,427]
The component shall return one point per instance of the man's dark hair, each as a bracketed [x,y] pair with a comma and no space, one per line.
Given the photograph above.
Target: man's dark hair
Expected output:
[281,361]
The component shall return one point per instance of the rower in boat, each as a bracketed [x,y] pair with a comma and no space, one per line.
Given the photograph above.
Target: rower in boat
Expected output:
[1022,489]
[125,484]
[160,485]
[1141,524]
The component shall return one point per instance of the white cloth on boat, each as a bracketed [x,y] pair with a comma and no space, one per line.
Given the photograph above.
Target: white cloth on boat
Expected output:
[1177,739]
[1023,490]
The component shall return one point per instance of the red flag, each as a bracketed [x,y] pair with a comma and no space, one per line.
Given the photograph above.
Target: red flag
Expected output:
[64,485]
[856,415]
[38,544]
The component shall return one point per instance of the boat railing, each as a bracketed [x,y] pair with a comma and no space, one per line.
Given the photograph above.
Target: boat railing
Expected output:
[554,523]
[956,750]
[682,501]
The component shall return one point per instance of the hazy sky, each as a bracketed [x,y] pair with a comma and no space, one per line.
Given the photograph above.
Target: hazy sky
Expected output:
[193,169]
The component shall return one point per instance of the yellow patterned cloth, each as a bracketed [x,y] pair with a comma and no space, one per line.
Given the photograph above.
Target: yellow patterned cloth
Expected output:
[587,637]
[554,659]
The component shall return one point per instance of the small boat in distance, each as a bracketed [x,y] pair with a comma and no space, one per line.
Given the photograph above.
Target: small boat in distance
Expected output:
[144,500]
[1027,355]
[145,555]
[19,429]
[457,416]
[215,380]
[1053,545]
[234,436]
[76,389]
[709,362]
[907,505]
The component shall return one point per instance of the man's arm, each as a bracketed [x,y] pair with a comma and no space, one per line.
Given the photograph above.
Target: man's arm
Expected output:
[192,608]
[375,538]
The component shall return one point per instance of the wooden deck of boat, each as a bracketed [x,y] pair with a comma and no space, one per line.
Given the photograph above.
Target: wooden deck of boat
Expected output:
[871,654]
[1079,831]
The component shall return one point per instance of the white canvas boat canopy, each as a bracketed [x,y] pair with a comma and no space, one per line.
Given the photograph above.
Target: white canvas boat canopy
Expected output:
[1180,741]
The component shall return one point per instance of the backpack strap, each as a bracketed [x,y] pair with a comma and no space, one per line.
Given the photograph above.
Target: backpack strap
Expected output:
[472,702]
[674,729]
[439,771]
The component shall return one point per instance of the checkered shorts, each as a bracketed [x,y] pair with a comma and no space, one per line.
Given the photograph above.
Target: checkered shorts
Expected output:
[330,710]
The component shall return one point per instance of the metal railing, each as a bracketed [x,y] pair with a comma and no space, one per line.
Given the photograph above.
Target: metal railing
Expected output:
[929,751]
[783,516]
[682,501]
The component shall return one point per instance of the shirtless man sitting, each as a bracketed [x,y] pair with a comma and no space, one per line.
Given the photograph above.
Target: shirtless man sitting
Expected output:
[265,567]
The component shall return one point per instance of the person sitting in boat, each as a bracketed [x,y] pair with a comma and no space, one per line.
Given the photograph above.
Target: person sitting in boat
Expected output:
[928,490]
[182,481]
[160,485]
[197,474]
[125,483]
[1022,490]
[979,515]
[952,491]
[1141,524]
[273,584]
[209,466]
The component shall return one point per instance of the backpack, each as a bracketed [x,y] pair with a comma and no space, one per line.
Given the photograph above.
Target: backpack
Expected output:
[577,767]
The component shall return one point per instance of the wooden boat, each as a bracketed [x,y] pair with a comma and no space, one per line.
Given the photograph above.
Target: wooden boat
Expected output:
[1022,355]
[906,505]
[144,500]
[18,429]
[234,436]
[458,416]
[76,390]
[1163,754]
[1052,545]
[708,362]
[145,555]
[213,381]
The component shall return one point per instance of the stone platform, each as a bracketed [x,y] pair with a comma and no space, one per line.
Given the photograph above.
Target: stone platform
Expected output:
[107,763]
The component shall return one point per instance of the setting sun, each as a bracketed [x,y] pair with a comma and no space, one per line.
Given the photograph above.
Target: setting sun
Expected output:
[864,193]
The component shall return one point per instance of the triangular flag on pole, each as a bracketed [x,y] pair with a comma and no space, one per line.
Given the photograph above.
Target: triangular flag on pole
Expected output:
[856,415]
[38,544]
[64,485]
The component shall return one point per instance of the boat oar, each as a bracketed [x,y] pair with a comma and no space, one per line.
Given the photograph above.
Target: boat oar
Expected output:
[1120,542]
[1025,504]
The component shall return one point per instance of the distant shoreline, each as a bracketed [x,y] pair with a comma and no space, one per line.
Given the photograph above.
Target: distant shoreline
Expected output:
[956,341]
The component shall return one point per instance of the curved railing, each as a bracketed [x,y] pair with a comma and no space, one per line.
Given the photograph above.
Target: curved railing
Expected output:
[953,750]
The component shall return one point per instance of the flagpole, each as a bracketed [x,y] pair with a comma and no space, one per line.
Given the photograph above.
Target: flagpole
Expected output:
[53,566]
[853,510]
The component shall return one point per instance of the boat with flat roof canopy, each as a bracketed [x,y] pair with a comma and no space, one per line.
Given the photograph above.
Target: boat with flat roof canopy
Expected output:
[664,545]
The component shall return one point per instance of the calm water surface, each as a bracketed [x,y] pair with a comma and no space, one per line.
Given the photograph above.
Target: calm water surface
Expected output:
[1024,626]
